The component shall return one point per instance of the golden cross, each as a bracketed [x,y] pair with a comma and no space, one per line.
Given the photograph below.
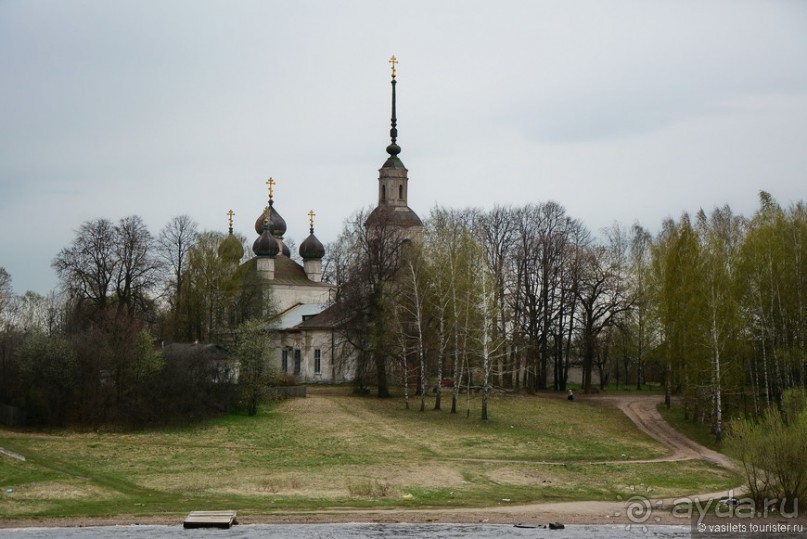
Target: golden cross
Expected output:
[271,183]
[393,61]
[311,215]
[230,214]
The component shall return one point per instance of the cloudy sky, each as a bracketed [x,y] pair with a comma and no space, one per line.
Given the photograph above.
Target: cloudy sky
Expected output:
[619,110]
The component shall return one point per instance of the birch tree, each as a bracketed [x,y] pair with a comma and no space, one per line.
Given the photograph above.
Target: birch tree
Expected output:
[495,231]
[676,295]
[720,237]
[640,317]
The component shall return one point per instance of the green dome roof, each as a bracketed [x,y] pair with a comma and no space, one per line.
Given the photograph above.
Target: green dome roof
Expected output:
[231,249]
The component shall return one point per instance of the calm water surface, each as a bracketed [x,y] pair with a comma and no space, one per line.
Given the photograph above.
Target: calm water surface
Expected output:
[348,531]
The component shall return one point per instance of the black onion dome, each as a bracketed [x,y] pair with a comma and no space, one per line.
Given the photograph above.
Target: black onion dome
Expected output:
[266,244]
[312,248]
[277,225]
[231,249]
[259,221]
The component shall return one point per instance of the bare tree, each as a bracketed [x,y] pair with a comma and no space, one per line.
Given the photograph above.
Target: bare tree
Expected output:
[370,259]
[576,237]
[109,264]
[6,293]
[174,243]
[135,264]
[602,293]
[87,267]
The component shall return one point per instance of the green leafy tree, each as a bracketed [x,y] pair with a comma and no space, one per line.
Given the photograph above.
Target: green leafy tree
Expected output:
[254,374]
[720,239]
[774,274]
[455,259]
[207,291]
[679,296]
[641,325]
[48,379]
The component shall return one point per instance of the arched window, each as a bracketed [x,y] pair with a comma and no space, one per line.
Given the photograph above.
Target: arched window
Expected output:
[400,192]
[383,193]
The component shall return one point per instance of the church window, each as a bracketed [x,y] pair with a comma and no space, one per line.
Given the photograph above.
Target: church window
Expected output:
[297,361]
[400,192]
[284,361]
[383,193]
[317,360]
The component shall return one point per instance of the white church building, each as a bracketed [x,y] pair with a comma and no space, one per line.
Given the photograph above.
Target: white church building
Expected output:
[306,343]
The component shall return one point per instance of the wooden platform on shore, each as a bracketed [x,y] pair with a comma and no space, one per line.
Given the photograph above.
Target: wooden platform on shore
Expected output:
[209,519]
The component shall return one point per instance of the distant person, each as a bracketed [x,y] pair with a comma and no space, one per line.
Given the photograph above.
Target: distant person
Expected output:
[571,395]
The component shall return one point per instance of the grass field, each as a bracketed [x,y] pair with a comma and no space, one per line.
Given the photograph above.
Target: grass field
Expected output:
[332,450]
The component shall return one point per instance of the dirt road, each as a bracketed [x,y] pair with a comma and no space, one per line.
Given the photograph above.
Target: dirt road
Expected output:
[643,411]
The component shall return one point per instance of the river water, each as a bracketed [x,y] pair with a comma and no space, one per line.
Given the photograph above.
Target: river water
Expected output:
[348,531]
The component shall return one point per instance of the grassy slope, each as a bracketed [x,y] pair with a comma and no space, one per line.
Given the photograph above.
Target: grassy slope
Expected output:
[336,451]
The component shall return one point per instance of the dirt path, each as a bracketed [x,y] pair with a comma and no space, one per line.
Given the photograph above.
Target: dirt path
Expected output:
[643,411]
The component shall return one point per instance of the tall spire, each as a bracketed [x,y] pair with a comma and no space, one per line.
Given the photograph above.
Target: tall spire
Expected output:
[393,181]
[393,149]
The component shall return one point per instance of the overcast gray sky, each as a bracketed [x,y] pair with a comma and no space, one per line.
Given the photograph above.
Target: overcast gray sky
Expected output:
[619,110]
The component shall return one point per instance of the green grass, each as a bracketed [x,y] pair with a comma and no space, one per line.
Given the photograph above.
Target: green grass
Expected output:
[700,432]
[332,451]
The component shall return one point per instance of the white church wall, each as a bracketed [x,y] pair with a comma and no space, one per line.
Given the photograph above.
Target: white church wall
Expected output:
[286,296]
[309,346]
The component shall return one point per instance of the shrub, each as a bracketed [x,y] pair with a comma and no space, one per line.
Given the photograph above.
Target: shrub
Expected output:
[773,455]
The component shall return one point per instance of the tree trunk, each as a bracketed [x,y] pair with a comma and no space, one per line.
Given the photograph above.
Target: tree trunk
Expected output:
[588,361]
[381,376]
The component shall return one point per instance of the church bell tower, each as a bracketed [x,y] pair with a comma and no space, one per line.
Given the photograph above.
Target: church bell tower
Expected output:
[393,182]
